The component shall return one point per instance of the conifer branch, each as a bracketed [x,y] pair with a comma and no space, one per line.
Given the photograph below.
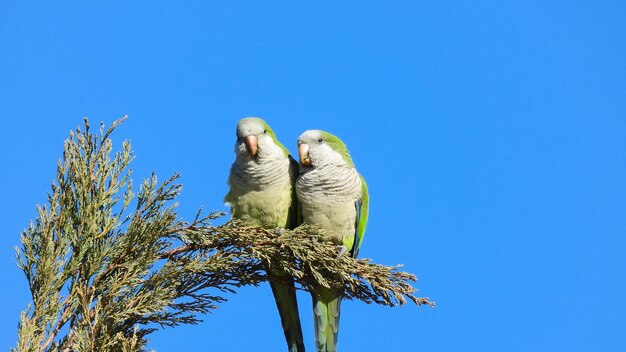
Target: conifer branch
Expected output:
[104,276]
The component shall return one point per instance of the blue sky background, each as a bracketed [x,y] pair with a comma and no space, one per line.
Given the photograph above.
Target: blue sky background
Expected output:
[492,135]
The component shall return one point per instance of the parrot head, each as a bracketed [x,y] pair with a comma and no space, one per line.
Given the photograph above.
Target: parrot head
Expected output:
[254,138]
[318,148]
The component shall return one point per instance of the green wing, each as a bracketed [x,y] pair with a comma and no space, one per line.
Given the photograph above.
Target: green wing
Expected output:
[362,211]
[284,290]
[295,211]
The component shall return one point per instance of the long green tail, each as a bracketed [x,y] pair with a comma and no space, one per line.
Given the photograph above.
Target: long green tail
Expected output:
[326,314]
[285,297]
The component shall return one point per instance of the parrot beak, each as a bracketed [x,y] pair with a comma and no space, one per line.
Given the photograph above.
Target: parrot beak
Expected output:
[252,145]
[303,153]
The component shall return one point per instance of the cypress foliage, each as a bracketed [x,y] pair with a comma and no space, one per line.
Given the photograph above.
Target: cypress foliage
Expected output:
[106,267]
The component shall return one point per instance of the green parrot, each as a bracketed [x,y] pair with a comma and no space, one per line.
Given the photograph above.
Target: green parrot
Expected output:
[333,195]
[262,195]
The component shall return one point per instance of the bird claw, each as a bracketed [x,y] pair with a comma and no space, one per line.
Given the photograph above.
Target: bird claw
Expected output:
[279,231]
[342,250]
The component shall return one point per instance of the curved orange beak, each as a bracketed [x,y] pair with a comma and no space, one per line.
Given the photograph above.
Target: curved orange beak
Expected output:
[252,145]
[303,154]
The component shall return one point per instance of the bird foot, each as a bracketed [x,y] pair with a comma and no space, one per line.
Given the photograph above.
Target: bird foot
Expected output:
[342,250]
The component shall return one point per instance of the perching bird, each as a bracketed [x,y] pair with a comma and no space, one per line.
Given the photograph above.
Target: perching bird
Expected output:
[262,195]
[333,195]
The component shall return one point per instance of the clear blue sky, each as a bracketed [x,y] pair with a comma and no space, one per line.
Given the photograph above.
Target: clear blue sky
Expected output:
[492,135]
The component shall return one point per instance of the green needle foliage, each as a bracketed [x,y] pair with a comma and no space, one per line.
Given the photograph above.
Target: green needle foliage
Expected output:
[106,267]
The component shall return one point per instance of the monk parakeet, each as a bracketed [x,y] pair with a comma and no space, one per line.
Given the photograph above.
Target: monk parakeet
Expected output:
[262,195]
[333,195]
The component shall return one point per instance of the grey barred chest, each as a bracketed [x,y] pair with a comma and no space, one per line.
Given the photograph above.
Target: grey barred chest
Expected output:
[327,197]
[260,180]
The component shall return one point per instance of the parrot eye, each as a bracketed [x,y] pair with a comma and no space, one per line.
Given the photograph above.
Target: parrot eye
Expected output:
[264,131]
[320,140]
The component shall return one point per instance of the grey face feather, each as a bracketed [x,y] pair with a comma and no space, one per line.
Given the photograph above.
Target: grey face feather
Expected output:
[324,148]
[329,173]
[252,126]
[328,185]
[269,168]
